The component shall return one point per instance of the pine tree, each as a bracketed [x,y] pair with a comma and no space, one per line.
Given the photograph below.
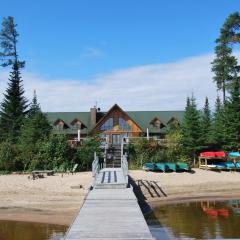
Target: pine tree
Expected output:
[190,129]
[34,105]
[8,43]
[13,108]
[230,29]
[232,119]
[206,124]
[218,125]
[36,128]
[225,66]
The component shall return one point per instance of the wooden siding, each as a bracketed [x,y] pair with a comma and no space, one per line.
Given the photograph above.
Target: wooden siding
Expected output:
[116,114]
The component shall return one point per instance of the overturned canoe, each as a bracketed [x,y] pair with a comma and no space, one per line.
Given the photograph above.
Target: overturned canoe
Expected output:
[234,154]
[230,165]
[220,165]
[171,166]
[149,167]
[161,166]
[183,166]
[238,165]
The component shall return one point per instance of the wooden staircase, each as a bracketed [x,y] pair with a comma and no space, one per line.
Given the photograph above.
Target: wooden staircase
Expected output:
[114,153]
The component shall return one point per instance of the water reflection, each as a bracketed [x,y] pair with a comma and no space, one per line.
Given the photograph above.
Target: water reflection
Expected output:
[14,230]
[199,220]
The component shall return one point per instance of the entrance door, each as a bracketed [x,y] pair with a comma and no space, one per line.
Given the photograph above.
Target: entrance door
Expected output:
[116,138]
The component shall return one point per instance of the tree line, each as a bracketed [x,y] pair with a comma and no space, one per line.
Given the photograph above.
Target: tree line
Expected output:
[203,129]
[26,139]
[220,130]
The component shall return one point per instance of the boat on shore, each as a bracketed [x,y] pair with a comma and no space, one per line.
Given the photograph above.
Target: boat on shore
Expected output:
[149,167]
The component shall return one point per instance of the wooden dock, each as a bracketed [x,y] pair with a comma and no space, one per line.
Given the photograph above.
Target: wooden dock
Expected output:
[110,178]
[110,211]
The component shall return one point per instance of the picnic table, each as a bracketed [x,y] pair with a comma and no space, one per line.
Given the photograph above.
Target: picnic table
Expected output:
[40,173]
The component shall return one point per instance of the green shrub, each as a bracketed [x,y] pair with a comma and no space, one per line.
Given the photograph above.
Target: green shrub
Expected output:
[8,156]
[85,152]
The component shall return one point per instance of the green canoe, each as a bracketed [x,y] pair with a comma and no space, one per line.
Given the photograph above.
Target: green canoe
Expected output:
[161,166]
[183,166]
[171,166]
[149,167]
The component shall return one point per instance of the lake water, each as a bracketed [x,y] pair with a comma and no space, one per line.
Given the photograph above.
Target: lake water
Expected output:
[14,230]
[199,220]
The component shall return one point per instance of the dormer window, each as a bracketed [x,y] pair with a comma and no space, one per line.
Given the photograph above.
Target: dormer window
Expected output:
[157,123]
[173,123]
[76,124]
[60,125]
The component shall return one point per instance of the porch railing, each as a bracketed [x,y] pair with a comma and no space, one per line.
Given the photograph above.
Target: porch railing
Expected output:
[126,140]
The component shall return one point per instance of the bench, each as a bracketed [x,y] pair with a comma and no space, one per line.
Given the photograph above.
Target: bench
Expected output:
[40,173]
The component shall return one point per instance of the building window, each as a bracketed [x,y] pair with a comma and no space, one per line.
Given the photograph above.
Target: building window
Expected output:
[123,125]
[108,125]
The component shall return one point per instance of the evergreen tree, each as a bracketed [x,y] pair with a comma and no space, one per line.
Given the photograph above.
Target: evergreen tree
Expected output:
[36,128]
[232,119]
[225,66]
[190,129]
[34,105]
[13,107]
[8,43]
[230,31]
[206,124]
[218,125]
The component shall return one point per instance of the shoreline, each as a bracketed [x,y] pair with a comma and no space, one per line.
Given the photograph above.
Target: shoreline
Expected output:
[65,219]
[56,200]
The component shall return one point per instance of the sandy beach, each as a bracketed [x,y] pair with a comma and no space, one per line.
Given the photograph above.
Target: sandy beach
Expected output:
[57,199]
[52,199]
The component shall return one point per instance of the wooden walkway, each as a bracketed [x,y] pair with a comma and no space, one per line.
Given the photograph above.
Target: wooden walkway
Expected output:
[110,211]
[111,178]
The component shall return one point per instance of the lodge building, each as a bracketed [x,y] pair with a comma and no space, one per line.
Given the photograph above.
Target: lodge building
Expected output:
[114,124]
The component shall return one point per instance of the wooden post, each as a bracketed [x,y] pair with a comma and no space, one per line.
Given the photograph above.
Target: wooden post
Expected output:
[79,135]
[147,134]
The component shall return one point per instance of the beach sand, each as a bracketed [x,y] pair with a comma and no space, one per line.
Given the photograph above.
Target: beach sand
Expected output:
[52,199]
[57,199]
[183,186]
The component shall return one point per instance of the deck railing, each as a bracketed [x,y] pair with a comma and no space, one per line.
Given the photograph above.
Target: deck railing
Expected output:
[95,168]
[126,140]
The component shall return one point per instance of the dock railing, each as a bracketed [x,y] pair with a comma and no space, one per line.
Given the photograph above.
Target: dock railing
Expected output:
[95,168]
[124,166]
[124,162]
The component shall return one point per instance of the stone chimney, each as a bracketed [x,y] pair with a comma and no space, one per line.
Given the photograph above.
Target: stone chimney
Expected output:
[93,116]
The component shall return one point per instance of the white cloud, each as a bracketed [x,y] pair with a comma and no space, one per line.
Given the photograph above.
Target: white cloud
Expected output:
[148,87]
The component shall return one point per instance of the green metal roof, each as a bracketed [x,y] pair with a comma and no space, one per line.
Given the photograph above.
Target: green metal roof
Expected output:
[142,118]
[68,117]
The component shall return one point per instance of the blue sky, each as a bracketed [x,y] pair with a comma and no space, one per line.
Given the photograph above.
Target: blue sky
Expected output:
[88,40]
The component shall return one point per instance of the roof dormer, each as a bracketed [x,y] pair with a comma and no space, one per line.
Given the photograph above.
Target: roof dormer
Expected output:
[77,124]
[156,122]
[59,124]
